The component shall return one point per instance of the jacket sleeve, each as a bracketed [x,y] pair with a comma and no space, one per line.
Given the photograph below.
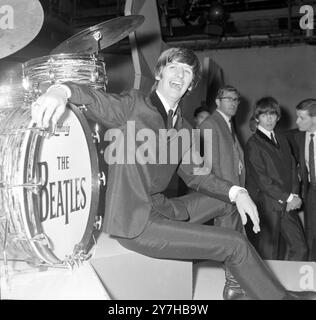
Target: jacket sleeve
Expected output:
[256,167]
[112,110]
[199,177]
[295,180]
[211,146]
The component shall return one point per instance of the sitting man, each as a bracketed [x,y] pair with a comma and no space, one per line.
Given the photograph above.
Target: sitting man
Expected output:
[137,213]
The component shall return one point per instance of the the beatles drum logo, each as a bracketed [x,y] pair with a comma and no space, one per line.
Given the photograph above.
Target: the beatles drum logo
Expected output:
[60,198]
[64,170]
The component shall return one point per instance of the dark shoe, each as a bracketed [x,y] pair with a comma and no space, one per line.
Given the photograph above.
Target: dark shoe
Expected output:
[234,293]
[300,295]
[232,289]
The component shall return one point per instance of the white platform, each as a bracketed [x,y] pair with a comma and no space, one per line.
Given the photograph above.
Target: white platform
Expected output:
[25,283]
[117,273]
[132,276]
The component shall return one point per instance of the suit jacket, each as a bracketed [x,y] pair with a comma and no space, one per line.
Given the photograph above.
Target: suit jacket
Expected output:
[270,170]
[135,190]
[225,155]
[299,139]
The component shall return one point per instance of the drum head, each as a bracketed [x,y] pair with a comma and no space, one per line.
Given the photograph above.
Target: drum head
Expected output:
[66,166]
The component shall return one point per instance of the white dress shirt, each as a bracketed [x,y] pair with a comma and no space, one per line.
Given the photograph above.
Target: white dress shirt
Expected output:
[307,141]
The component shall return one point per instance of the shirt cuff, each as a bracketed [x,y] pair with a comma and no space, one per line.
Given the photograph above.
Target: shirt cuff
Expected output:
[233,191]
[291,196]
[63,87]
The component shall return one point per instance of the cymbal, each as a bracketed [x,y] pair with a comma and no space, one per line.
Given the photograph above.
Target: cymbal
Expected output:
[20,22]
[110,32]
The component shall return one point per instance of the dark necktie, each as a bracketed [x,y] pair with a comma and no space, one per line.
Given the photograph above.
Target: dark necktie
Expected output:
[273,140]
[312,160]
[170,119]
[232,128]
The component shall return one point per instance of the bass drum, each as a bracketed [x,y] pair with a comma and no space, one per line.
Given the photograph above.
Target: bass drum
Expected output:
[49,188]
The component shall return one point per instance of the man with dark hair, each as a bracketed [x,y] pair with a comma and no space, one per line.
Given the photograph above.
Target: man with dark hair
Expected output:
[137,213]
[306,122]
[200,114]
[272,181]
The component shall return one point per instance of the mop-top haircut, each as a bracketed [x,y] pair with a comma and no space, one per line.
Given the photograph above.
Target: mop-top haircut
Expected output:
[181,55]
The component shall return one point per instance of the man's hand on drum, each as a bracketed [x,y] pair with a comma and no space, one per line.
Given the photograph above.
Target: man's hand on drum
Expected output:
[49,108]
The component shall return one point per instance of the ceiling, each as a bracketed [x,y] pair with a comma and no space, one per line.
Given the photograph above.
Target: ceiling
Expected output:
[198,23]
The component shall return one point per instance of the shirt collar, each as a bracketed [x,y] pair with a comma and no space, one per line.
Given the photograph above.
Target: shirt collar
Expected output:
[166,104]
[226,118]
[265,131]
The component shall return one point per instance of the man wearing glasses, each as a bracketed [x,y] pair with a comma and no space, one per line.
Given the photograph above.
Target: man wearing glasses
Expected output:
[224,155]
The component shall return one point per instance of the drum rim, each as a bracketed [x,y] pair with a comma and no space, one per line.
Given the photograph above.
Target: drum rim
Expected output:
[47,254]
[59,56]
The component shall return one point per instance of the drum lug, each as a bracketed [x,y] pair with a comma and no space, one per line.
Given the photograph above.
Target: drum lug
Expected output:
[102,178]
[96,137]
[98,223]
[96,134]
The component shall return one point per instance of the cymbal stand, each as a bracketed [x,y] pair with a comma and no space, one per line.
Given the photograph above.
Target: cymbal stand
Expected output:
[97,37]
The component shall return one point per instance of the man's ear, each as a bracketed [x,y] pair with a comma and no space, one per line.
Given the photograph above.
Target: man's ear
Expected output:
[157,77]
[217,102]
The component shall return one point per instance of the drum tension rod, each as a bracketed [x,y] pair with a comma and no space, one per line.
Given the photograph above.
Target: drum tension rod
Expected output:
[42,131]
[31,185]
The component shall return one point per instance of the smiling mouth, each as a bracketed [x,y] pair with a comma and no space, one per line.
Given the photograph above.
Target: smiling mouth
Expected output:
[176,85]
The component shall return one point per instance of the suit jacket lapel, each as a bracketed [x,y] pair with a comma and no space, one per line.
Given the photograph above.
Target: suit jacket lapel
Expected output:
[223,123]
[179,123]
[155,101]
[266,138]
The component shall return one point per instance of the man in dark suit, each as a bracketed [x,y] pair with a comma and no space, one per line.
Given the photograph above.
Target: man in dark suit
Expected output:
[272,181]
[305,139]
[137,213]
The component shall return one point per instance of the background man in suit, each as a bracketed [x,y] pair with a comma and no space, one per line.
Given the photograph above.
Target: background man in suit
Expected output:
[224,155]
[306,122]
[272,181]
[137,213]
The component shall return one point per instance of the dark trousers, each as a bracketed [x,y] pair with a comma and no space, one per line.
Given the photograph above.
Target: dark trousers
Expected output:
[169,239]
[310,222]
[282,235]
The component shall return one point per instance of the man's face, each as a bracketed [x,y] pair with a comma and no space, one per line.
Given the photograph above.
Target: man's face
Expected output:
[304,121]
[268,120]
[175,79]
[201,116]
[228,103]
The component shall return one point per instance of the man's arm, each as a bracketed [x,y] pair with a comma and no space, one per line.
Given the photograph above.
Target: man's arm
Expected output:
[204,181]
[109,109]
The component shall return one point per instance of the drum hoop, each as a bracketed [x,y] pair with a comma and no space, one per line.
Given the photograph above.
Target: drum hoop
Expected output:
[61,56]
[47,254]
